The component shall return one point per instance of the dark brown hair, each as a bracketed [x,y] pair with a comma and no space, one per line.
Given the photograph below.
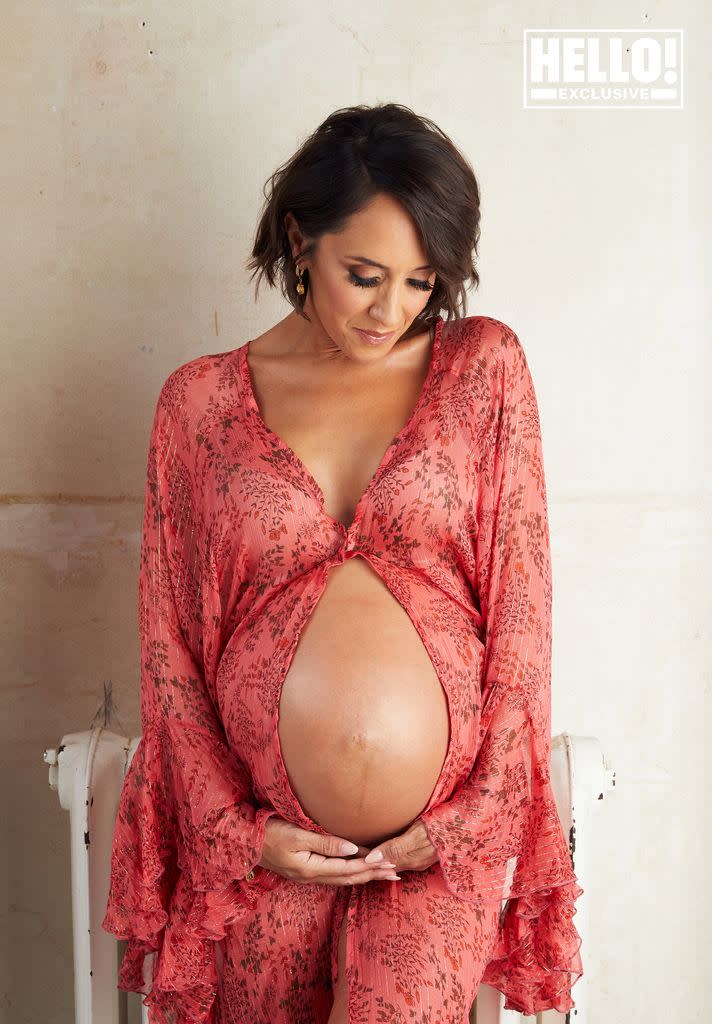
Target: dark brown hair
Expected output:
[355,154]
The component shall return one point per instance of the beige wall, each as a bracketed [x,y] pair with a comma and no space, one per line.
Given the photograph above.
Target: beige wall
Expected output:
[133,162]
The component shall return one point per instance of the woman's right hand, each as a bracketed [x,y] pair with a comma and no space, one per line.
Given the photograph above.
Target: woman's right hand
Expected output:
[305,856]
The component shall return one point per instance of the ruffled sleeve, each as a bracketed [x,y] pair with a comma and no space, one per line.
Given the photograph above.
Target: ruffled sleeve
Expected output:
[188,834]
[499,837]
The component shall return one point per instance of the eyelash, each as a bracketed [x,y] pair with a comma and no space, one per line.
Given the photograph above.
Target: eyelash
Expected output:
[371,282]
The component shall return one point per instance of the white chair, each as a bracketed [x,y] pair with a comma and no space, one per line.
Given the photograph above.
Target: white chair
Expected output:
[88,769]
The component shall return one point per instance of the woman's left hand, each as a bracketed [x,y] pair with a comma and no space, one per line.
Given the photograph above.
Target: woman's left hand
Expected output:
[411,851]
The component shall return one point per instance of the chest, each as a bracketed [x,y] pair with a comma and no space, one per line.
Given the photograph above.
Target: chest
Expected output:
[336,427]
[308,474]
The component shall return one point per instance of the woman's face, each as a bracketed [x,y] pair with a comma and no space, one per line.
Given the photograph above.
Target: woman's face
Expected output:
[346,293]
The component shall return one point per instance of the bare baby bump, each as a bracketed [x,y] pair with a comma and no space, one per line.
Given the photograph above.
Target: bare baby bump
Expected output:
[363,718]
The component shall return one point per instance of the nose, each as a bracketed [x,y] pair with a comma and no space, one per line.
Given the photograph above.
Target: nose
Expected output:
[386,308]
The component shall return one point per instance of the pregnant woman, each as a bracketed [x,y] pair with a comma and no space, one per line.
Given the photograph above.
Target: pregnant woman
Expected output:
[340,808]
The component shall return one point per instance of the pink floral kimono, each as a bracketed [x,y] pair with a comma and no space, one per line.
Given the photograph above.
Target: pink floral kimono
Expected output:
[236,549]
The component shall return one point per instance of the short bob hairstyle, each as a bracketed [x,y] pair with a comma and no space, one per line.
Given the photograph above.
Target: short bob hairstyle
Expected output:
[355,154]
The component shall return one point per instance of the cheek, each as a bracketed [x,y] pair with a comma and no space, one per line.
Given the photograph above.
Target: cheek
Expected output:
[343,296]
[419,302]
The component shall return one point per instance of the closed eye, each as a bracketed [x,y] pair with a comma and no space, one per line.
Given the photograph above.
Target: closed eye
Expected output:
[372,282]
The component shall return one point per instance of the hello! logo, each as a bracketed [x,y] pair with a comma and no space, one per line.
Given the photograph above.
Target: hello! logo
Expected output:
[605,69]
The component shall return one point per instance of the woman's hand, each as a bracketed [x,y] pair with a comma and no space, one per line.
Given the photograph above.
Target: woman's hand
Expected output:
[410,851]
[305,856]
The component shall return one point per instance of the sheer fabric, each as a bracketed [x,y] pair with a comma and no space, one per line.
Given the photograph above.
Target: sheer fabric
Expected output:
[500,835]
[187,828]
[235,548]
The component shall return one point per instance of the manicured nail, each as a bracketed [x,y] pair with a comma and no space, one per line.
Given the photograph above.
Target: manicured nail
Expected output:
[349,848]
[374,856]
[393,878]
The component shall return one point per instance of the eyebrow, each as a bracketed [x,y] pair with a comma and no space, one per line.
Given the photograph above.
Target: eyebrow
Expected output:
[372,263]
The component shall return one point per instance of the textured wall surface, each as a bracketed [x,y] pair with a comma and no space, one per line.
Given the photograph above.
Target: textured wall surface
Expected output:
[136,141]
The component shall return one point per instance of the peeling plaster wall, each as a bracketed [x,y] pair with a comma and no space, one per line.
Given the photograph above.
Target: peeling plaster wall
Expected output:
[136,142]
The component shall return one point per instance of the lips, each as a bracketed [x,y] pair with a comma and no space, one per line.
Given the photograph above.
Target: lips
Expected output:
[375,338]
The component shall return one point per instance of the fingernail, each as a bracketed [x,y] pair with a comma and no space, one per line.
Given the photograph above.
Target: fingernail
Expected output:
[348,848]
[393,878]
[374,856]
[387,864]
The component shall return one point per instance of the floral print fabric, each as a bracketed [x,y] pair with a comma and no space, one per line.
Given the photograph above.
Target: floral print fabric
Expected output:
[235,553]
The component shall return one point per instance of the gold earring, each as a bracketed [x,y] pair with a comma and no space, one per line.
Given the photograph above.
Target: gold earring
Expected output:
[300,284]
